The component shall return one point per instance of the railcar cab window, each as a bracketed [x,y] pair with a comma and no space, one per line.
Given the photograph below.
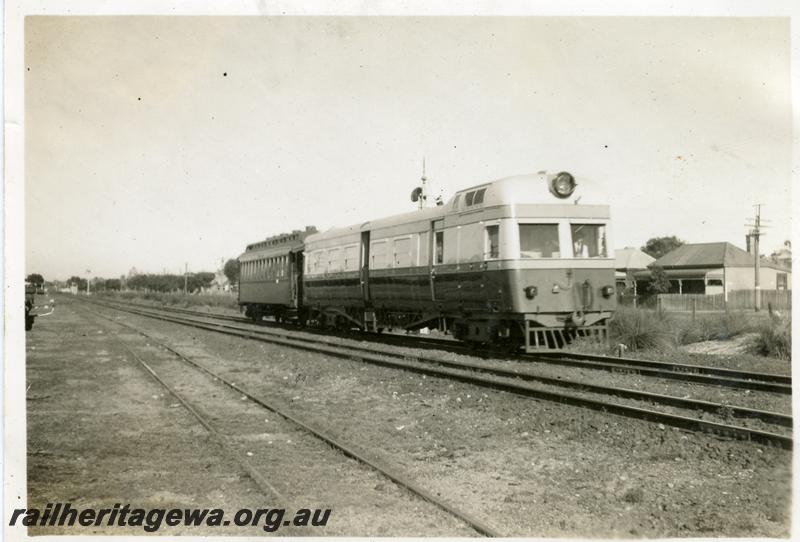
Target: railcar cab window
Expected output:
[539,241]
[588,240]
[492,242]
[475,197]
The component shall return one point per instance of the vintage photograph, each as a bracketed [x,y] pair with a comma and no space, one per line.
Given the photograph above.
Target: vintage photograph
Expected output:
[405,276]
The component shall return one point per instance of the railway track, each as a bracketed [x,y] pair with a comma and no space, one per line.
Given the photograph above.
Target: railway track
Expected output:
[346,449]
[698,374]
[519,382]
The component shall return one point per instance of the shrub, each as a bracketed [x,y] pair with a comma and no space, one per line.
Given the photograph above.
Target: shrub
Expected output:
[774,338]
[640,329]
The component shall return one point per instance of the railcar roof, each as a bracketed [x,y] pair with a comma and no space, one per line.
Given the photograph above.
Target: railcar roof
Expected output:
[517,189]
[533,188]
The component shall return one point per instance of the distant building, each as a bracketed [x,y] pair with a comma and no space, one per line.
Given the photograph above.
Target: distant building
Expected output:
[783,256]
[715,268]
[220,283]
[629,261]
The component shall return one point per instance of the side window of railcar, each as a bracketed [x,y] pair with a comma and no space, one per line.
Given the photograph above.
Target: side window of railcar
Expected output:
[479,196]
[492,242]
[313,261]
[334,260]
[351,258]
[402,252]
[588,240]
[468,199]
[456,201]
[378,255]
[539,241]
[439,247]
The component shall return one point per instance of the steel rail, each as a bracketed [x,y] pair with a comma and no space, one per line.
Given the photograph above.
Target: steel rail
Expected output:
[499,382]
[263,484]
[777,418]
[683,367]
[699,374]
[346,449]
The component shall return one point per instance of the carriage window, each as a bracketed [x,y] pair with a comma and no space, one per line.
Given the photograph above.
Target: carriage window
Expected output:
[468,198]
[439,247]
[492,245]
[479,196]
[456,200]
[539,241]
[589,240]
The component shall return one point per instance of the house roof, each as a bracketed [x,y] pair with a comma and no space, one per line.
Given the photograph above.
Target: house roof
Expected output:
[708,255]
[631,258]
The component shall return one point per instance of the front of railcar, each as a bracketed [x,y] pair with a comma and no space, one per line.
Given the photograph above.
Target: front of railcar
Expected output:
[555,260]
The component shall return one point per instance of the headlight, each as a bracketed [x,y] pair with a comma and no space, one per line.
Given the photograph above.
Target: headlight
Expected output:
[562,185]
[607,291]
[531,291]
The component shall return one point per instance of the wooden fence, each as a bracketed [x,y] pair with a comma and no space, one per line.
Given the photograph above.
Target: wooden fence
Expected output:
[737,300]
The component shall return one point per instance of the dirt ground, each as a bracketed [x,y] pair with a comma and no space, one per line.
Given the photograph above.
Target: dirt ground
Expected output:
[100,431]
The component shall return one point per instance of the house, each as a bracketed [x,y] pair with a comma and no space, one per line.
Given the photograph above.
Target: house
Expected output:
[629,261]
[715,268]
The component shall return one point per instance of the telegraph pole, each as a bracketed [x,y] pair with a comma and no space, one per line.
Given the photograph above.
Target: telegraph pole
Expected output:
[186,277]
[755,235]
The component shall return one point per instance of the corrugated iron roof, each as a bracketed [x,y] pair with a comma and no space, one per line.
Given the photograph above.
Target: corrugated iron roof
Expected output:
[631,258]
[708,255]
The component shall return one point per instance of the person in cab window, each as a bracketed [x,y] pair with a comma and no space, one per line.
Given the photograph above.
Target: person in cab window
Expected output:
[580,247]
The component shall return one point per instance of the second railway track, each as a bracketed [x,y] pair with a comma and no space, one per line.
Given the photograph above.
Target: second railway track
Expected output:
[519,382]
[699,374]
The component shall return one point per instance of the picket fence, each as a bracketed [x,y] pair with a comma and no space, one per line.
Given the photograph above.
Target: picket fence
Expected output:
[737,300]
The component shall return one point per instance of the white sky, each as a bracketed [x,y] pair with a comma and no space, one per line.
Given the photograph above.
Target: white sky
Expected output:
[141,152]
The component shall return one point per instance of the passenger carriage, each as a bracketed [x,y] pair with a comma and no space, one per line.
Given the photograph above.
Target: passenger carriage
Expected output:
[270,276]
[520,260]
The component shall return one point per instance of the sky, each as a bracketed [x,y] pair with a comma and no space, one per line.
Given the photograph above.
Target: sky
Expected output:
[159,142]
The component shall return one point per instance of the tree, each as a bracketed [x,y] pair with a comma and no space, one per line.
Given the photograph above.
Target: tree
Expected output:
[658,246]
[201,279]
[113,284]
[36,279]
[659,282]
[231,271]
[78,281]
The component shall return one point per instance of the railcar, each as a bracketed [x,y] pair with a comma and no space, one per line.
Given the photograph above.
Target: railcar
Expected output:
[270,277]
[520,261]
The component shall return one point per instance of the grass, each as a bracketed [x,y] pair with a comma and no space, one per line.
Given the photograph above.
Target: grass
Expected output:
[648,330]
[640,329]
[226,301]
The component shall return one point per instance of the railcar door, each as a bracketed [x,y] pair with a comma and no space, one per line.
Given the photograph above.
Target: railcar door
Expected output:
[365,268]
[437,256]
[296,276]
